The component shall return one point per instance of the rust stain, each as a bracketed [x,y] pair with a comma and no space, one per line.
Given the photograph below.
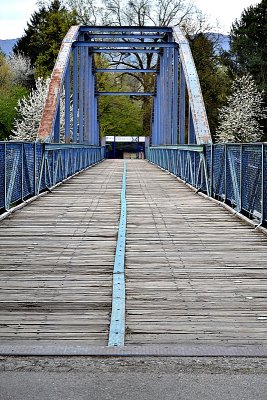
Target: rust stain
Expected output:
[51,103]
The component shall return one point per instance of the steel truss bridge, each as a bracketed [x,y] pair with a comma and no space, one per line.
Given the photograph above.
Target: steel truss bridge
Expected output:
[124,258]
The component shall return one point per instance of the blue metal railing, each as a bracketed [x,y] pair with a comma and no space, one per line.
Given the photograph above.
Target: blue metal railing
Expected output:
[233,173]
[26,168]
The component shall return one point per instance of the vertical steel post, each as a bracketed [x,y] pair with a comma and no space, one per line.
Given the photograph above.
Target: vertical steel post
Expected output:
[81,96]
[262,184]
[241,178]
[191,129]
[5,176]
[86,99]
[22,171]
[75,94]
[57,125]
[175,97]
[211,169]
[225,172]
[182,106]
[67,105]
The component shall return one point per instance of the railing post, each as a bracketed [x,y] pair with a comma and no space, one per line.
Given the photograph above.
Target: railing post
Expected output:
[262,184]
[225,172]
[22,171]
[241,179]
[211,170]
[5,177]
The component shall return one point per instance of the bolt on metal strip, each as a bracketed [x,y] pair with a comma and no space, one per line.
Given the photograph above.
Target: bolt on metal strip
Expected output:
[117,323]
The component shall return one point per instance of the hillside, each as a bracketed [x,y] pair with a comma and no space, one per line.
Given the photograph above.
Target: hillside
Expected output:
[7,45]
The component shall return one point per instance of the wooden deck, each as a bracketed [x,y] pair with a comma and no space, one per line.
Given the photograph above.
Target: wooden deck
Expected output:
[194,273]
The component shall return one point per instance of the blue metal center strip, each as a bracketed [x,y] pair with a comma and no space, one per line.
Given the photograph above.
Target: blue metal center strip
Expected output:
[117,323]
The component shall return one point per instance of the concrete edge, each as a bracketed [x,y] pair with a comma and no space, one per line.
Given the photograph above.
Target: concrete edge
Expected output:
[31,348]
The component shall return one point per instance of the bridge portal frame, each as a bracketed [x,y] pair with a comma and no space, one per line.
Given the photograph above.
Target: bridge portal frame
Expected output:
[179,114]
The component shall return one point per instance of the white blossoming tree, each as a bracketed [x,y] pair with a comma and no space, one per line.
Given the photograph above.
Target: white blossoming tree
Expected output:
[239,120]
[21,70]
[30,110]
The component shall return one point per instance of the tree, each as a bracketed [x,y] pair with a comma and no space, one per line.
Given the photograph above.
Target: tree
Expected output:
[248,43]
[214,78]
[118,115]
[248,46]
[21,70]
[239,120]
[29,111]
[9,98]
[5,73]
[43,36]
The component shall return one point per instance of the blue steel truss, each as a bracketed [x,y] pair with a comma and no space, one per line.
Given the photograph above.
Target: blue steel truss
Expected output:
[178,115]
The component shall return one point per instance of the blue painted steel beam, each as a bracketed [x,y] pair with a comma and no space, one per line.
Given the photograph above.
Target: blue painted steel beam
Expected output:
[124,36]
[124,94]
[67,105]
[57,126]
[125,29]
[130,51]
[81,96]
[117,323]
[126,44]
[130,70]
[182,106]
[75,94]
[175,97]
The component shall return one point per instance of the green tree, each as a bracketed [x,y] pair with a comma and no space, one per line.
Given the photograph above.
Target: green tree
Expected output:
[214,77]
[5,72]
[119,115]
[43,36]
[248,43]
[9,98]
[248,46]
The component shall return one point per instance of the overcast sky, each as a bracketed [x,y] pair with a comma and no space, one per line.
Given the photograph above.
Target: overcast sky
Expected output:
[14,14]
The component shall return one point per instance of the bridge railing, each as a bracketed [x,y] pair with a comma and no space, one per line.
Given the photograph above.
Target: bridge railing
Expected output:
[235,174]
[26,169]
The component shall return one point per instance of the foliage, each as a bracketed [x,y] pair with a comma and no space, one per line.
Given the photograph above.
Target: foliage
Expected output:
[119,115]
[43,36]
[21,70]
[248,43]
[214,79]
[248,46]
[8,100]
[135,13]
[239,120]
[5,73]
[30,110]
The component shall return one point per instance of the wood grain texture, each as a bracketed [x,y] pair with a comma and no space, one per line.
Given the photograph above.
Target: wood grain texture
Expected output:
[56,258]
[194,272]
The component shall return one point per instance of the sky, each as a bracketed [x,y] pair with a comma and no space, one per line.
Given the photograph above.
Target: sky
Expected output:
[14,14]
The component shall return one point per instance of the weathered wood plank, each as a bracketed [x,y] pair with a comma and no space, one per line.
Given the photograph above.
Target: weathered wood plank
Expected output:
[194,273]
[56,261]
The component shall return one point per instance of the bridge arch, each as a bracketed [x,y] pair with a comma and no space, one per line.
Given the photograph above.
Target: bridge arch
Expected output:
[179,114]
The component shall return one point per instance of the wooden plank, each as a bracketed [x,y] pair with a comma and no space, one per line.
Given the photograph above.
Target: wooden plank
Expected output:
[56,258]
[194,273]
